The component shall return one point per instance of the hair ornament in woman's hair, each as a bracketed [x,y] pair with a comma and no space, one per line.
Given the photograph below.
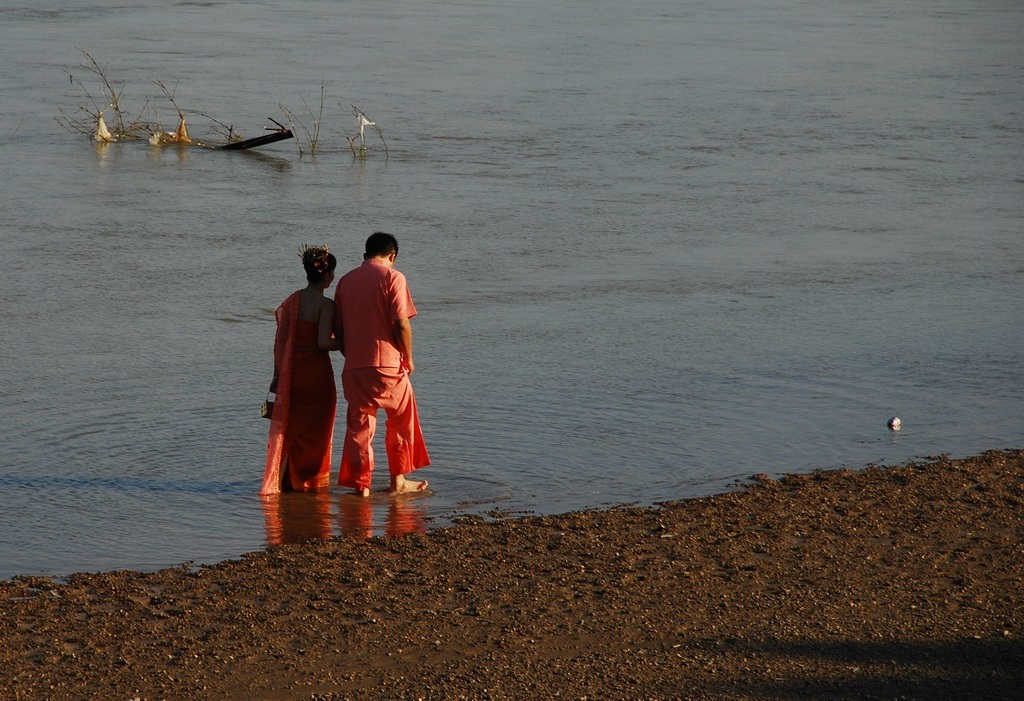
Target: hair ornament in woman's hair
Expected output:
[315,257]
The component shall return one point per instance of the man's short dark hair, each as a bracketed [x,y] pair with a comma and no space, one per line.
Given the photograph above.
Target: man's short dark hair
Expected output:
[380,244]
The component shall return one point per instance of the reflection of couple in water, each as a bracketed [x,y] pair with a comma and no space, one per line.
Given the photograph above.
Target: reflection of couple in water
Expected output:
[369,322]
[297,518]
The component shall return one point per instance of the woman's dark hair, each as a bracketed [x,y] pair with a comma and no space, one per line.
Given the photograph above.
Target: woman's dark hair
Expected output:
[317,262]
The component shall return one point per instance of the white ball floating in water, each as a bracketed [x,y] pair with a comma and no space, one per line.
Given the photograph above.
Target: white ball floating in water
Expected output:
[894,423]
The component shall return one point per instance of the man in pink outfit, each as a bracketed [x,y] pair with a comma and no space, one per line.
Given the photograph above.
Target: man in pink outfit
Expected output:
[373,307]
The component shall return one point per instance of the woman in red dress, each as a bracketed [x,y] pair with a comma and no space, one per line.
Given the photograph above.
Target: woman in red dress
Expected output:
[302,425]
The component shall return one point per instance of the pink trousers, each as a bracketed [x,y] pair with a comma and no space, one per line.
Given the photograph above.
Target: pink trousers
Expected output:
[368,390]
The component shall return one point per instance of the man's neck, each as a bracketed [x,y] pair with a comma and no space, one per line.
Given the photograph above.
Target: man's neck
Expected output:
[387,260]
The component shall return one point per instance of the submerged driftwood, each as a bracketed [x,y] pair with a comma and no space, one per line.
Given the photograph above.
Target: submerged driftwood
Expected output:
[278,134]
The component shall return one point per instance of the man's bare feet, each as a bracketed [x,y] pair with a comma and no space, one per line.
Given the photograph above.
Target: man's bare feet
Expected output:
[400,485]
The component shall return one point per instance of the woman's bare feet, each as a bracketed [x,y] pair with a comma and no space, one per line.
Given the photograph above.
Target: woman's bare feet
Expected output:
[400,485]
[364,492]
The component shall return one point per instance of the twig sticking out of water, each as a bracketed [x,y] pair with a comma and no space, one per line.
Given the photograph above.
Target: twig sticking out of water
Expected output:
[180,135]
[295,126]
[16,130]
[363,121]
[226,130]
[112,94]
[94,122]
[312,139]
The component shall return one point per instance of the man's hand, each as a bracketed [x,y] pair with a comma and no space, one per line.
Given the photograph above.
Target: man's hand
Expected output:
[403,339]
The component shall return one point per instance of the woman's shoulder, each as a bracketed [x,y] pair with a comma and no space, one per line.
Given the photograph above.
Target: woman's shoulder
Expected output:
[291,300]
[325,304]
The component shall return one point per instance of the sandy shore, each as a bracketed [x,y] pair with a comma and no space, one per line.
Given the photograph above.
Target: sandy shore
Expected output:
[880,583]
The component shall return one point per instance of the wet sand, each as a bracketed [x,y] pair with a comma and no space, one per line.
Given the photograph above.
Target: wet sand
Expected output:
[884,582]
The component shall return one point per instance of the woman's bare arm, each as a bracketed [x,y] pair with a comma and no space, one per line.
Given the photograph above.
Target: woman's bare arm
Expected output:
[325,328]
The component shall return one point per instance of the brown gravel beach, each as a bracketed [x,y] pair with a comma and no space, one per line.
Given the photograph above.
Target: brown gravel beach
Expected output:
[881,583]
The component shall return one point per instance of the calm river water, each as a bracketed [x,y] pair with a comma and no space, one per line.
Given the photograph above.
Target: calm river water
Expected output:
[656,246]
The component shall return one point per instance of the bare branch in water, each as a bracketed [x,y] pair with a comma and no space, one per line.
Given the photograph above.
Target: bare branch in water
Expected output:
[317,120]
[113,94]
[292,123]
[147,124]
[312,138]
[364,122]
